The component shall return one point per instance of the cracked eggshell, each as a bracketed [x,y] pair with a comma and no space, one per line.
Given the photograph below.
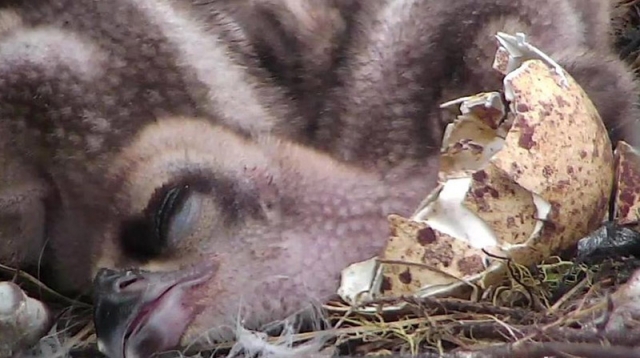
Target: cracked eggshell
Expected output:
[522,186]
[436,260]
[501,60]
[546,186]
[627,179]
[557,148]
[473,137]
[505,206]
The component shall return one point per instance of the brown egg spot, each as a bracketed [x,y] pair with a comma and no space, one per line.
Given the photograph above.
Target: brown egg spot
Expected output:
[405,277]
[385,285]
[426,236]
[583,154]
[480,176]
[526,136]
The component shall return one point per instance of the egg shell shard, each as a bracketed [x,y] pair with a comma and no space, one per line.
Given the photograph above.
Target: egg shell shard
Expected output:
[505,206]
[466,156]
[558,149]
[418,256]
[357,281]
[627,179]
[466,128]
[447,214]
[518,50]
[485,107]
[501,60]
[485,112]
[471,139]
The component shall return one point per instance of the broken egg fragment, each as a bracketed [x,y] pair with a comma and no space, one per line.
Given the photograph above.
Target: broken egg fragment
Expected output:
[520,184]
[627,179]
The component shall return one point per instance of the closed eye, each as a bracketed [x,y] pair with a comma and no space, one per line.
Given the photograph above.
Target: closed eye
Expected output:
[171,203]
[170,216]
[177,210]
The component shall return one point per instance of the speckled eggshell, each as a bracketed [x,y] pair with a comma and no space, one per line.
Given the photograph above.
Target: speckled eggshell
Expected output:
[459,158]
[627,195]
[504,205]
[465,128]
[501,60]
[471,139]
[417,256]
[486,107]
[556,150]
[559,149]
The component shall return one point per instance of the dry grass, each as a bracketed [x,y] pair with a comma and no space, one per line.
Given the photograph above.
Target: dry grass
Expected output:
[554,302]
[532,313]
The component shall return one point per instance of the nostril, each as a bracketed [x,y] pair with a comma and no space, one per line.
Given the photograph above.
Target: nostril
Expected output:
[128,283]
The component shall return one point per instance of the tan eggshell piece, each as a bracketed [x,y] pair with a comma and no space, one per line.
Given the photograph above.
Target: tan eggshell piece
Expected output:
[501,60]
[627,195]
[422,256]
[460,158]
[487,107]
[504,205]
[559,149]
[467,128]
[472,138]
[481,116]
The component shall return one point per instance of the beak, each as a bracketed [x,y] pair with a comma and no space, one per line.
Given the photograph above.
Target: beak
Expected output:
[138,313]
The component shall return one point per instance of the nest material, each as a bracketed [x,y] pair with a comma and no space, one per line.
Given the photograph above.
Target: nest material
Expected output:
[533,313]
[554,309]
